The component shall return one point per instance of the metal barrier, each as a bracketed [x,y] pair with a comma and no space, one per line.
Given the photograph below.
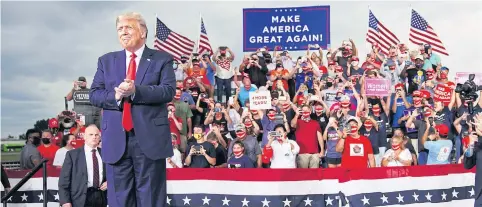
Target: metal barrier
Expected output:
[43,165]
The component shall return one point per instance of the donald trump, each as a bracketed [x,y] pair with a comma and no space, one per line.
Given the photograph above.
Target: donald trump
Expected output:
[133,86]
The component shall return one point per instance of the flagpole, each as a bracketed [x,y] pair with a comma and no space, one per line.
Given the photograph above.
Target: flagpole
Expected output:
[199,29]
[410,26]
[155,27]
[367,44]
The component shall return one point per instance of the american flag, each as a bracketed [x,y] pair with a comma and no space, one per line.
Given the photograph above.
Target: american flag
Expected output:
[204,45]
[378,33]
[422,33]
[171,42]
[442,185]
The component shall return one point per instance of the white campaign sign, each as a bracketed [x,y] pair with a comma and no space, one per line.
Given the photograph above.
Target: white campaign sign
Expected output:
[259,100]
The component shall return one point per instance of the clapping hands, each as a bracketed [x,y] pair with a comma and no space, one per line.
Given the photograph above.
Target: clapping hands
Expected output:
[125,89]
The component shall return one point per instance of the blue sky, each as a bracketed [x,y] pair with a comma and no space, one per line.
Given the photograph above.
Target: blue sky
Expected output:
[45,46]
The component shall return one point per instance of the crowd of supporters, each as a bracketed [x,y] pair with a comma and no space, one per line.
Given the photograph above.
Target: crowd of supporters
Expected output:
[320,114]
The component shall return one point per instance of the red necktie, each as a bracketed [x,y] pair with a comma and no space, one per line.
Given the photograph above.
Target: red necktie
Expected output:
[127,115]
[95,164]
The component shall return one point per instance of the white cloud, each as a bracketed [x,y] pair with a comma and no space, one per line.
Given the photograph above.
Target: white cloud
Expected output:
[45,46]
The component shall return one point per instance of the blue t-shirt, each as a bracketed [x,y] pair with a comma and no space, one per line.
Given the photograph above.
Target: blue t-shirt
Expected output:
[244,94]
[187,97]
[433,60]
[438,152]
[210,73]
[242,162]
[400,108]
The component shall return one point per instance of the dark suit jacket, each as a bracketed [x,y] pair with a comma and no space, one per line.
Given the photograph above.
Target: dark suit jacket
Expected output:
[73,178]
[155,86]
[476,160]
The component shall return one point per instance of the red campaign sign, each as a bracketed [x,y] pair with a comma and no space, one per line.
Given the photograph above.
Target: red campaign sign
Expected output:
[377,87]
[464,76]
[443,93]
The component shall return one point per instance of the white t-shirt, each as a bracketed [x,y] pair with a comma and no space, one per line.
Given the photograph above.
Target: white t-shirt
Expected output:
[60,157]
[404,155]
[283,155]
[176,159]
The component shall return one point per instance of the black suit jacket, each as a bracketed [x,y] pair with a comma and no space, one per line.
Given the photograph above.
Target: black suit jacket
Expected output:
[74,177]
[476,160]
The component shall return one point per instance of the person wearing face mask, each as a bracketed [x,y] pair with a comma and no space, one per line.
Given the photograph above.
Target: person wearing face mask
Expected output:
[176,160]
[66,146]
[443,89]
[47,149]
[329,94]
[268,123]
[221,150]
[331,135]
[250,146]
[239,159]
[380,113]
[201,154]
[30,156]
[320,111]
[415,75]
[371,130]
[407,144]
[399,102]
[439,147]
[421,125]
[309,71]
[356,149]
[397,155]
[284,151]
[309,137]
[175,123]
[256,71]
[184,65]
[185,113]
[252,127]
[178,71]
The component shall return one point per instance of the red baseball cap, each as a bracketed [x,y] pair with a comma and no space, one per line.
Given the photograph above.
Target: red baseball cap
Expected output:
[442,129]
[399,85]
[425,94]
[53,123]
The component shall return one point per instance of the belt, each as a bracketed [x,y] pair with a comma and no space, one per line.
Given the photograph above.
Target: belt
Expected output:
[91,189]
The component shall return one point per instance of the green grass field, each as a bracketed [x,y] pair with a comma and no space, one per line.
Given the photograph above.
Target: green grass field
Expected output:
[10,156]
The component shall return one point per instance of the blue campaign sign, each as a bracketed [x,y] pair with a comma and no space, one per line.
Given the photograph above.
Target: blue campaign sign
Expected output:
[291,28]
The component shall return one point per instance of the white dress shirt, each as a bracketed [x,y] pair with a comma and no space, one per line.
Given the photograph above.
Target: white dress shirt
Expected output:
[283,155]
[138,57]
[90,166]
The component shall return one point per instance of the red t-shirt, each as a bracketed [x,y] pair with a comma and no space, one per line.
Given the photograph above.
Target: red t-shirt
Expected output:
[57,140]
[80,135]
[200,74]
[276,73]
[174,129]
[306,136]
[48,152]
[355,154]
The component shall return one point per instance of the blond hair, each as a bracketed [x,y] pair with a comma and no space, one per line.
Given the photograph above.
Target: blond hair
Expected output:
[136,16]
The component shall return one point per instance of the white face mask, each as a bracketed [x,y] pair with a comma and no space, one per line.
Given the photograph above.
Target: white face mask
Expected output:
[354,63]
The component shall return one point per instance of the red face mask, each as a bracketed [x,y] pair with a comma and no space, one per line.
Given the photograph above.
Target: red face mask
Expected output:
[305,114]
[286,106]
[248,124]
[395,146]
[429,75]
[376,111]
[177,96]
[318,109]
[427,113]
[443,75]
[271,116]
[353,129]
[240,134]
[238,153]
[417,102]
[254,112]
[368,126]
[174,142]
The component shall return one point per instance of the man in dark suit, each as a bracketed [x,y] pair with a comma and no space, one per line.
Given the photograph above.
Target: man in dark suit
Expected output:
[82,178]
[135,128]
[473,157]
